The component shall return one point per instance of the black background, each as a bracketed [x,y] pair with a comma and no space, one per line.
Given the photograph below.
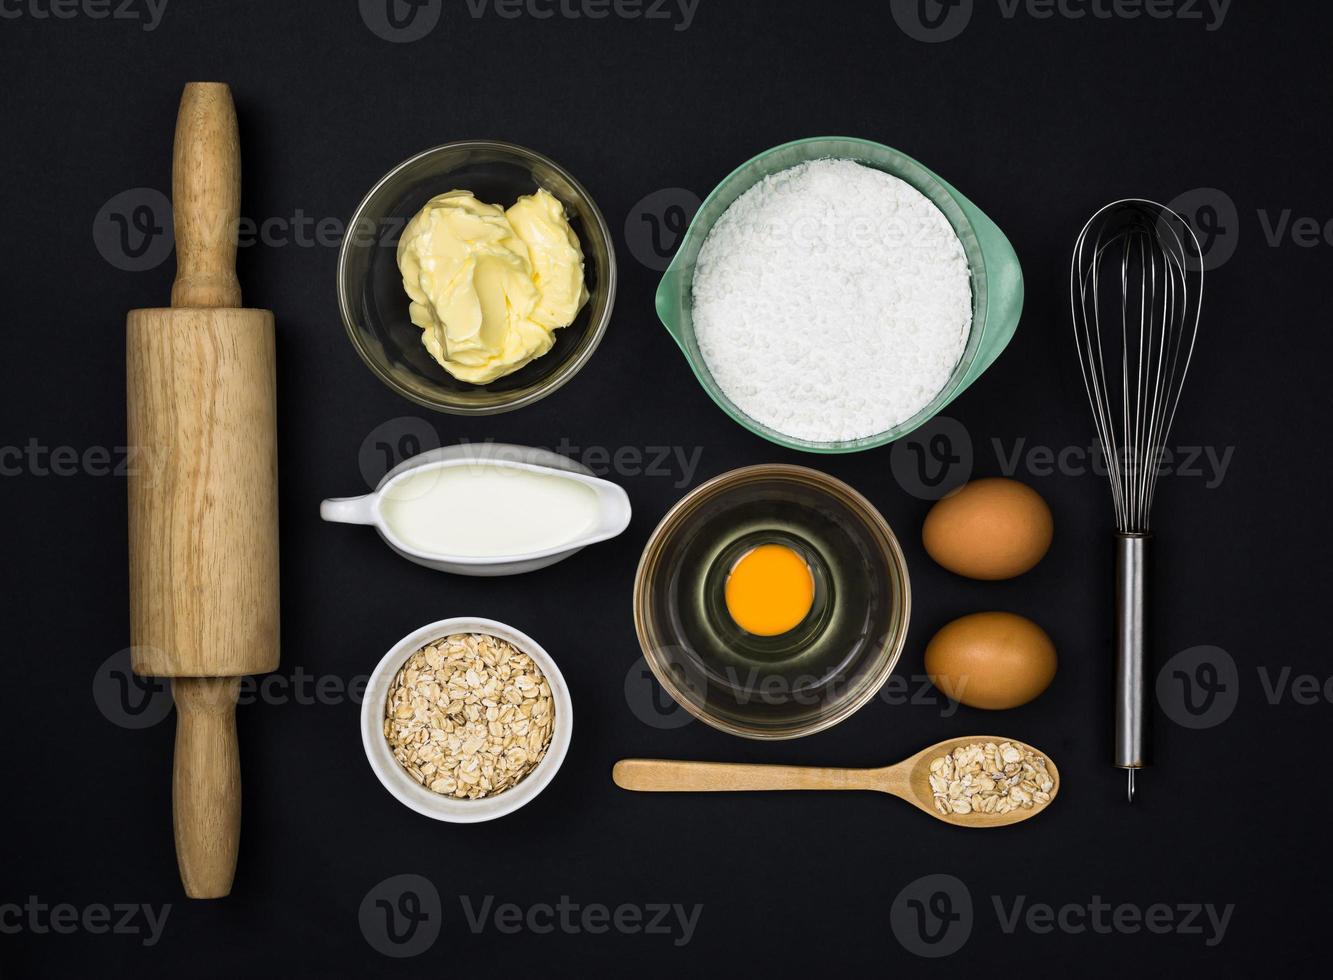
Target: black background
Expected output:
[1039,121]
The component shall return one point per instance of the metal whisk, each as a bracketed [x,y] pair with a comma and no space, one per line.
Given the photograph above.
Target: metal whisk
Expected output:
[1136,289]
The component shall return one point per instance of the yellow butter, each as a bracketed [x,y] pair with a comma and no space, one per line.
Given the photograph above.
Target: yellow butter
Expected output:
[488,288]
[557,260]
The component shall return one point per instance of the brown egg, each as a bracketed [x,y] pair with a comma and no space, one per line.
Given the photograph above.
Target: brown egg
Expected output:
[989,529]
[991,660]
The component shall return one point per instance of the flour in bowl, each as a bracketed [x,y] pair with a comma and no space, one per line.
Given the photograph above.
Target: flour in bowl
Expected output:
[832,301]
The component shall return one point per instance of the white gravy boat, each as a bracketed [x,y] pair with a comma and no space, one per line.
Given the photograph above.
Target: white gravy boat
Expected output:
[431,509]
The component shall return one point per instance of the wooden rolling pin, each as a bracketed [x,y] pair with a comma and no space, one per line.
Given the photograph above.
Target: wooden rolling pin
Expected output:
[203,519]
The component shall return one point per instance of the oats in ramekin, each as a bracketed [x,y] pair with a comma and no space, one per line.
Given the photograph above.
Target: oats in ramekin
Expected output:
[469,716]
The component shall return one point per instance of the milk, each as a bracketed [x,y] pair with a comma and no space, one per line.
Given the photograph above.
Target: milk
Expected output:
[487,510]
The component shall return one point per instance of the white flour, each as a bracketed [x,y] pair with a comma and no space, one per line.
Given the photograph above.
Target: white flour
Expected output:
[832,301]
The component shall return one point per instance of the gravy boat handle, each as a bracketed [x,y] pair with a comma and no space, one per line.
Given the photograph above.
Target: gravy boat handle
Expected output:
[349,510]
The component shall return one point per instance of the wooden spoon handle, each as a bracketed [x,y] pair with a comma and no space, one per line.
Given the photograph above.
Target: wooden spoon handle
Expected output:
[206,198]
[206,792]
[660,776]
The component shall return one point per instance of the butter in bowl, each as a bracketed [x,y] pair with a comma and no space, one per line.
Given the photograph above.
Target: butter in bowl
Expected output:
[488,510]
[477,277]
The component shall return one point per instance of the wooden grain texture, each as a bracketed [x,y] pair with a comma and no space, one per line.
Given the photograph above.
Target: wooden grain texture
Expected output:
[203,509]
[657,776]
[908,780]
[204,506]
[206,784]
[206,198]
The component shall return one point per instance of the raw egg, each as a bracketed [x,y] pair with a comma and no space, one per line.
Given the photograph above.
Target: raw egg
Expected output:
[989,529]
[991,660]
[770,590]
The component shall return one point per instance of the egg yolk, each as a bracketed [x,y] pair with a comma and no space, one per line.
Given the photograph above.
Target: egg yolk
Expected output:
[770,590]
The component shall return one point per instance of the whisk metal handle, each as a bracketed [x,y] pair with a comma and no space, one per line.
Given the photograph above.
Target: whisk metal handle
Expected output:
[1132,717]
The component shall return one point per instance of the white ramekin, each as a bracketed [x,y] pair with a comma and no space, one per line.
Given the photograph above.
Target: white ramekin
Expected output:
[411,793]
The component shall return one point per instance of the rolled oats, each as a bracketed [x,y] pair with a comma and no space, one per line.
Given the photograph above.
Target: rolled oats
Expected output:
[990,778]
[469,716]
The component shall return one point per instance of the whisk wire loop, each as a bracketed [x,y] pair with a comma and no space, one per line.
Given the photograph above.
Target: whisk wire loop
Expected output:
[1138,263]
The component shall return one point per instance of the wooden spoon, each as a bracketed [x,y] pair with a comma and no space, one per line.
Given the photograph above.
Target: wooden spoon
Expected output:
[908,780]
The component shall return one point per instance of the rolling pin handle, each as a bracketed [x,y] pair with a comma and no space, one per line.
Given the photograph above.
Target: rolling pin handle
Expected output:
[206,789]
[206,198]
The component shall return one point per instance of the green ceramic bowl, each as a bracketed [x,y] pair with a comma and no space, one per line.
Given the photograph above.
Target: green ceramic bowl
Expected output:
[997,278]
